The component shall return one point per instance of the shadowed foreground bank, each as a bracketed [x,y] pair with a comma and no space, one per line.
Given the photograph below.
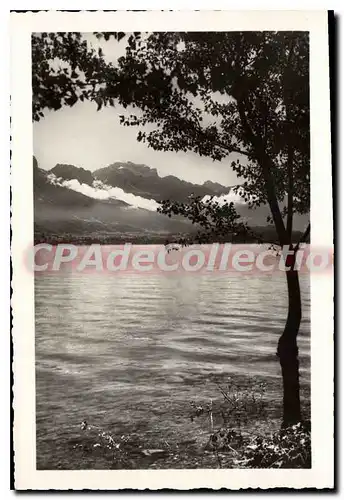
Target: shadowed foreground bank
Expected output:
[239,428]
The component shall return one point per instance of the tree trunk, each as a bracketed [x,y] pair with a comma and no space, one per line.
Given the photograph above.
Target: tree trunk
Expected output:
[288,351]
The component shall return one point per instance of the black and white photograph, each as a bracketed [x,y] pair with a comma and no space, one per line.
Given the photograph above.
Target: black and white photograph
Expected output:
[175,251]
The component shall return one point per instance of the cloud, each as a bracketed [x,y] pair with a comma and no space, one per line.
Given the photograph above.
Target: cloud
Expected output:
[226,198]
[102,191]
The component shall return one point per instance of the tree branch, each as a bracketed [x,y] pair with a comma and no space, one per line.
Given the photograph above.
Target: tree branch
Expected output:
[267,166]
[290,155]
[198,128]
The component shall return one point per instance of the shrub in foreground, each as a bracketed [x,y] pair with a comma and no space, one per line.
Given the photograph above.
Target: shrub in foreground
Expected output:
[289,448]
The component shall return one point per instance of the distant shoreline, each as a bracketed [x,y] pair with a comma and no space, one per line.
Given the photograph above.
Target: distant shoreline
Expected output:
[52,240]
[266,236]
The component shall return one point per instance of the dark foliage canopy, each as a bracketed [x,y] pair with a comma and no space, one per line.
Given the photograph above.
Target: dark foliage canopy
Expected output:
[224,95]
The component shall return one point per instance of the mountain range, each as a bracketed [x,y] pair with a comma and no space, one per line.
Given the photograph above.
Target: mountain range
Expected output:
[110,204]
[140,180]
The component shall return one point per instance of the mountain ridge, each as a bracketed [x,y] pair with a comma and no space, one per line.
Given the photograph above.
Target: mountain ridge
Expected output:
[146,182]
[140,180]
[70,172]
[62,212]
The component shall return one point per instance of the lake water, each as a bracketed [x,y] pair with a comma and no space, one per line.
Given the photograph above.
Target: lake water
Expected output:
[124,351]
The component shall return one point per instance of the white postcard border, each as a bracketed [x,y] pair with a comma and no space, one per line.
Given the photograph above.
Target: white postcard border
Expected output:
[26,475]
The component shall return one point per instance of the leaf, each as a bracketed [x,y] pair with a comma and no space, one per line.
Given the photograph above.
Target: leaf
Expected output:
[72,100]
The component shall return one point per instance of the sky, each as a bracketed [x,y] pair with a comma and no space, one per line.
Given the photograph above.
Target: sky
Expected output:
[85,137]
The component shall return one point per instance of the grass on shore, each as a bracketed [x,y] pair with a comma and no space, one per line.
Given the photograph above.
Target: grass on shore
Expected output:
[239,428]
